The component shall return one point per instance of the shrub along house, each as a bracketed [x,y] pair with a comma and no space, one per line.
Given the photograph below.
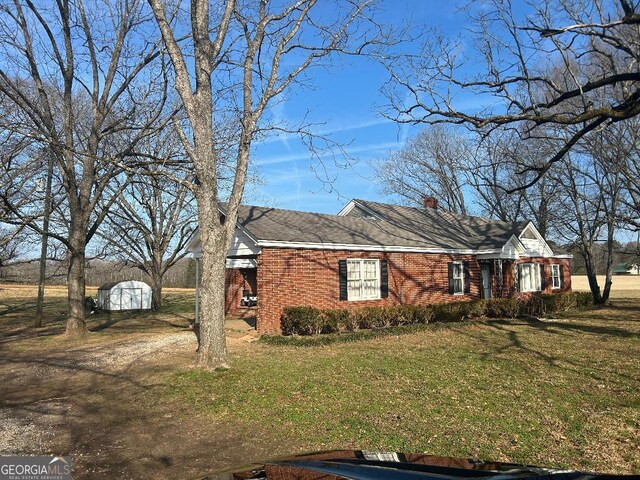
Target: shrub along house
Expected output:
[373,254]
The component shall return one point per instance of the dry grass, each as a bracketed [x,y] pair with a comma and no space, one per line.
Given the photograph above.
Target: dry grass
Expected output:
[623,286]
[18,308]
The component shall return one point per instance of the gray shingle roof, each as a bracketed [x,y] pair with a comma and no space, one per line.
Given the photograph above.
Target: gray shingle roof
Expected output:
[445,228]
[394,226]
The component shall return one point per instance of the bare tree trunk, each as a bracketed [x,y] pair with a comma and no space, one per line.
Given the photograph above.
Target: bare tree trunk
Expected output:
[608,264]
[593,279]
[76,325]
[45,242]
[156,290]
[212,344]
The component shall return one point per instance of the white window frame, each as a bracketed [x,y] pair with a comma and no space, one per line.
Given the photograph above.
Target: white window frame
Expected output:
[535,270]
[555,276]
[460,277]
[360,262]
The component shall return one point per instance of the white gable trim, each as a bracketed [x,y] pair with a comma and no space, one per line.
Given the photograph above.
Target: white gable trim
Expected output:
[353,204]
[194,244]
[242,244]
[546,249]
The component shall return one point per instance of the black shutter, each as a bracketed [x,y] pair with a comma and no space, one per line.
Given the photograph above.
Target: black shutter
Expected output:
[384,279]
[342,271]
[561,270]
[467,278]
[451,278]
[518,272]
[543,280]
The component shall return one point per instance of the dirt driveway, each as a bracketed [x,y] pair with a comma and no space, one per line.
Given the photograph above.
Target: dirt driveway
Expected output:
[100,402]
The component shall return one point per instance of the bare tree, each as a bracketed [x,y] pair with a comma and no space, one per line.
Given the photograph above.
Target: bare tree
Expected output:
[149,226]
[593,196]
[433,163]
[11,241]
[77,75]
[469,173]
[597,45]
[245,55]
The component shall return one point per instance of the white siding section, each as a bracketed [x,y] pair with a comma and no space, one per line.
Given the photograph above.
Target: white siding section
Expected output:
[242,245]
[535,248]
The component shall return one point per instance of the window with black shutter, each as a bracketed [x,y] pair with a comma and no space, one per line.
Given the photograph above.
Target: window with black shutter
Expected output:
[556,276]
[361,279]
[456,278]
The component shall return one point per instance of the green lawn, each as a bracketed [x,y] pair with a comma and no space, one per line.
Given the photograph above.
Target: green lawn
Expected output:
[561,393]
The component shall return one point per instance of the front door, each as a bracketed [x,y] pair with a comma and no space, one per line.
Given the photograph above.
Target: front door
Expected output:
[486,281]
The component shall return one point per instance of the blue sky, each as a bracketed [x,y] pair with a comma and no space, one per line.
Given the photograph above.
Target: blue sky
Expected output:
[347,102]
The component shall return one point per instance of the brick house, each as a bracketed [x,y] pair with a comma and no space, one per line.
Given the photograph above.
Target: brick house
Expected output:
[373,253]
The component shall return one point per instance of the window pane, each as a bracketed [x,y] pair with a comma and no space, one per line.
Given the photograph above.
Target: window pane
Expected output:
[370,269]
[370,288]
[353,289]
[363,279]
[457,285]
[353,270]
[526,277]
[457,270]
[555,276]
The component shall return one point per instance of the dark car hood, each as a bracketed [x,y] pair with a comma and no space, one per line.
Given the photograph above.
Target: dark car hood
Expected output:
[364,465]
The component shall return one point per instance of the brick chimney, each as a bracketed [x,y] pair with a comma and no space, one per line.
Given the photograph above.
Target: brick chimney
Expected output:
[430,202]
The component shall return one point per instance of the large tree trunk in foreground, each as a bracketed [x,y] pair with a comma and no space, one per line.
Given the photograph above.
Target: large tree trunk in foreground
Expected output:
[76,325]
[212,348]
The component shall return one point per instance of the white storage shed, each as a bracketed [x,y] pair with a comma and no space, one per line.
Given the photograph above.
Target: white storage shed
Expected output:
[127,295]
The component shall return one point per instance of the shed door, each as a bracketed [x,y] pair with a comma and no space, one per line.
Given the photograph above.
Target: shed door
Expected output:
[131,299]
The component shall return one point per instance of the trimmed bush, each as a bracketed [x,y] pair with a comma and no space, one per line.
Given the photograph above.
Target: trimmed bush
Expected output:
[477,309]
[337,321]
[302,321]
[583,299]
[504,307]
[562,302]
[313,321]
[413,314]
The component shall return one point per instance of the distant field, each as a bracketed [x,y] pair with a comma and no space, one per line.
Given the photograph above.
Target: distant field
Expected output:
[624,286]
[18,308]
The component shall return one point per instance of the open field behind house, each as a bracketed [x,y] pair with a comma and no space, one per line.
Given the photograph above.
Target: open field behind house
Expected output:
[126,403]
[623,286]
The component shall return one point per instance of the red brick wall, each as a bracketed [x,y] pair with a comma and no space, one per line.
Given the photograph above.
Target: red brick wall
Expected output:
[234,282]
[288,277]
